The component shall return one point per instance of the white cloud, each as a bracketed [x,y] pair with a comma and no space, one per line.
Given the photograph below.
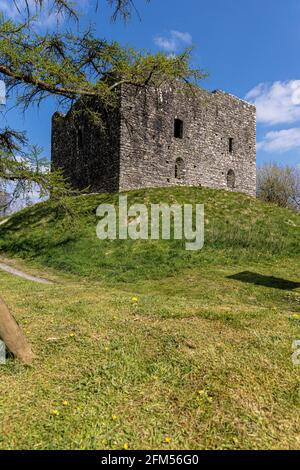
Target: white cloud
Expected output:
[280,141]
[277,103]
[8,8]
[173,41]
[46,18]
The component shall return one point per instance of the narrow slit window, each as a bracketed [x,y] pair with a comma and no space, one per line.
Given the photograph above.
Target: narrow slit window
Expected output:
[178,129]
[231,142]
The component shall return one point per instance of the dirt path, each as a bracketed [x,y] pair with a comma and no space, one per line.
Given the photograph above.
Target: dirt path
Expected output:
[28,277]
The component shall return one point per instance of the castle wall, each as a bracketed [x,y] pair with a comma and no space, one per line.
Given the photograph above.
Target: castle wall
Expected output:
[136,146]
[149,152]
[87,152]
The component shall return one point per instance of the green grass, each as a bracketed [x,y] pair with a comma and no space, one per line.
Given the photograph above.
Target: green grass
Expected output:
[194,329]
[238,229]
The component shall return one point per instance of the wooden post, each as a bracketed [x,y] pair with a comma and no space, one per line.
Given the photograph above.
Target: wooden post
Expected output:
[13,337]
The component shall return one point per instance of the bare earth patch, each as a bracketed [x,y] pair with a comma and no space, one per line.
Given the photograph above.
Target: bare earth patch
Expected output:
[28,277]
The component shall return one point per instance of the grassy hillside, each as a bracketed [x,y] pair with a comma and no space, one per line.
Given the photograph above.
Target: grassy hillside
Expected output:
[237,229]
[146,345]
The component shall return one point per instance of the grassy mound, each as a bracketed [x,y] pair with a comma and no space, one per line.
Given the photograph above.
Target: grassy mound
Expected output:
[237,229]
[158,347]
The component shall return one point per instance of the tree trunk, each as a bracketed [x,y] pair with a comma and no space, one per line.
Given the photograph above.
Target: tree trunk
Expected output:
[13,337]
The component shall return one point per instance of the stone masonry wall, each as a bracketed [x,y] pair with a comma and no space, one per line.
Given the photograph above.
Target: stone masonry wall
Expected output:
[137,147]
[88,153]
[149,150]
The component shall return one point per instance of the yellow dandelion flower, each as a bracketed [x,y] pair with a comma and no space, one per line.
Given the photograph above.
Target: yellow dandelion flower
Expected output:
[114,417]
[296,316]
[72,335]
[134,299]
[55,412]
[201,392]
[126,446]
[65,402]
[167,440]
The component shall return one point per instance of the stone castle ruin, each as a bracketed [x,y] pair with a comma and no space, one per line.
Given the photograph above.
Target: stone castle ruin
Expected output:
[175,135]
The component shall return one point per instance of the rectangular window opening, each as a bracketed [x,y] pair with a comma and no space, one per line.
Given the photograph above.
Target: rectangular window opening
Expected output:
[231,141]
[178,129]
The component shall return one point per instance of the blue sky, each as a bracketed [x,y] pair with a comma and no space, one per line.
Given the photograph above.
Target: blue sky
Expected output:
[250,48]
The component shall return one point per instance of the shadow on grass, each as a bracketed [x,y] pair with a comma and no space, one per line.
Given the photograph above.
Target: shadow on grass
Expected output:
[266,281]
